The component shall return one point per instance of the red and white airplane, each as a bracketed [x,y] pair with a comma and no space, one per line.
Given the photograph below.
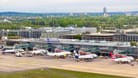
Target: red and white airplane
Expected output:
[120,58]
[83,54]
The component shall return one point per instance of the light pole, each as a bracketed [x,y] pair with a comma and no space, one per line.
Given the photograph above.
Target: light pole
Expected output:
[3,31]
[29,34]
[7,33]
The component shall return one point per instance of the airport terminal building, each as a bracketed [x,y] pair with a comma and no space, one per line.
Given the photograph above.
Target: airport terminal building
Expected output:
[105,37]
[47,32]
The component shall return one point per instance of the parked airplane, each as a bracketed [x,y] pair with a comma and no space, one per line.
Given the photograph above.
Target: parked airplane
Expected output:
[88,56]
[38,52]
[31,53]
[127,59]
[58,54]
[21,54]
[84,55]
[120,58]
[11,50]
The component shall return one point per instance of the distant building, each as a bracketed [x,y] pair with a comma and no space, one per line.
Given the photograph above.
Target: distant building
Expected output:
[5,20]
[125,37]
[105,14]
[48,32]
[53,34]
[98,37]
[105,37]
[80,30]
[128,14]
[71,14]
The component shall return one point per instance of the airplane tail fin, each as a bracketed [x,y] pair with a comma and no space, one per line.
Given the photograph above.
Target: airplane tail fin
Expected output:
[112,55]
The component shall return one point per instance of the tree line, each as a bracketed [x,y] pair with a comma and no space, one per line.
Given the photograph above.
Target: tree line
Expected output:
[80,21]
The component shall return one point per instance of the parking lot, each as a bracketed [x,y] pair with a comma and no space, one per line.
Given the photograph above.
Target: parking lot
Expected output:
[10,63]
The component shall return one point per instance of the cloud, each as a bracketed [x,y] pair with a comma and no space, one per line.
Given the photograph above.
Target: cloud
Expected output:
[4,1]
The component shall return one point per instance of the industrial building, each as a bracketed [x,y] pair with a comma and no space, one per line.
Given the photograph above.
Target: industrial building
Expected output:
[71,32]
[47,32]
[105,37]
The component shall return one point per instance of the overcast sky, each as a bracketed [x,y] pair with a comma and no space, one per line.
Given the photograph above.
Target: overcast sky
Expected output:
[67,5]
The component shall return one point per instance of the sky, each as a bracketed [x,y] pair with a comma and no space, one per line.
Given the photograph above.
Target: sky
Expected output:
[44,6]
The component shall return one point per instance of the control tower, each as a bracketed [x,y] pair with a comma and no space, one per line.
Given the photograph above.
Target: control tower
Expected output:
[105,12]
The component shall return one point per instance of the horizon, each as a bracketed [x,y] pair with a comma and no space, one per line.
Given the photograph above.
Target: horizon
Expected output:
[67,6]
[65,12]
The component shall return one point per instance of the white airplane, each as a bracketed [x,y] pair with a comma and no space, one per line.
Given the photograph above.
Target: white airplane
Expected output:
[38,52]
[31,53]
[10,50]
[126,59]
[20,54]
[88,57]
[91,56]
[120,58]
[58,54]
[84,55]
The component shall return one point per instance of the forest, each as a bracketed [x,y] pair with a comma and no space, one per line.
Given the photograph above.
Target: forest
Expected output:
[75,21]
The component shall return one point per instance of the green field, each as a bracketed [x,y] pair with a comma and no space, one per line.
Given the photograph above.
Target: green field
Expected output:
[53,73]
